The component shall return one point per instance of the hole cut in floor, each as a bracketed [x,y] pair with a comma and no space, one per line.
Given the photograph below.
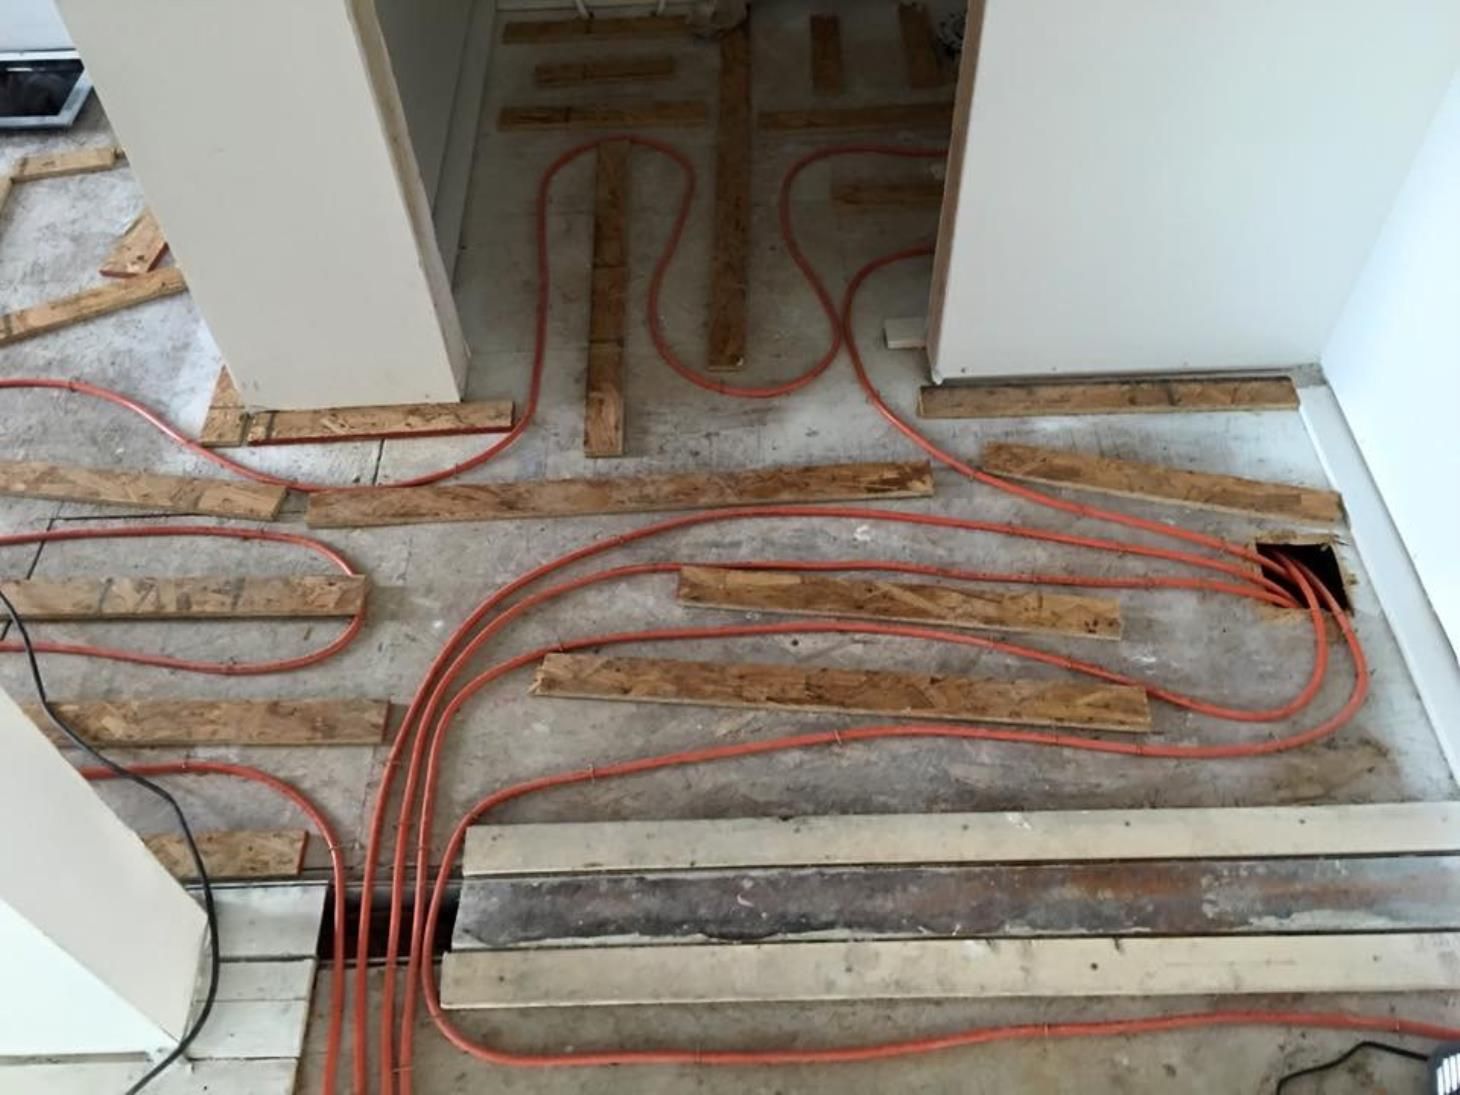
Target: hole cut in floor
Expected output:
[1320,559]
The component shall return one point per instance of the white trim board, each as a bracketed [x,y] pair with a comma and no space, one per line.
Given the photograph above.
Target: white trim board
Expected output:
[267,922]
[214,1077]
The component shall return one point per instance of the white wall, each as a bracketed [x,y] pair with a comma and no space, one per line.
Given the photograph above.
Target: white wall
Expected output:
[1178,184]
[31,24]
[1394,363]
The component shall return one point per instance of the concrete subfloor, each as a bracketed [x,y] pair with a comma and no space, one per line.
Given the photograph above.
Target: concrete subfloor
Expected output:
[425,579]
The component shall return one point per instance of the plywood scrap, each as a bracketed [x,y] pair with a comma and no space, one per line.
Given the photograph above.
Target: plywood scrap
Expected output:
[1106,397]
[641,494]
[139,249]
[103,300]
[603,414]
[1153,482]
[53,165]
[146,724]
[226,423]
[729,258]
[604,70]
[1087,706]
[905,193]
[142,490]
[646,115]
[925,65]
[908,116]
[211,598]
[268,853]
[828,76]
[544,31]
[796,594]
[6,182]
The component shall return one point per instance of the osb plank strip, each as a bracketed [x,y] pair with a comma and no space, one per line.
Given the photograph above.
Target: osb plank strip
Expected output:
[146,724]
[603,413]
[925,67]
[1228,832]
[610,205]
[914,116]
[604,70]
[828,77]
[88,304]
[1152,482]
[646,494]
[1087,706]
[226,423]
[171,493]
[812,595]
[610,289]
[686,113]
[208,598]
[541,31]
[6,181]
[730,254]
[82,161]
[1118,397]
[914,193]
[139,249]
[268,853]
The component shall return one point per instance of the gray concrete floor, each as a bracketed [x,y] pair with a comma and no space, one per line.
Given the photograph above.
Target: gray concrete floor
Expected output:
[426,579]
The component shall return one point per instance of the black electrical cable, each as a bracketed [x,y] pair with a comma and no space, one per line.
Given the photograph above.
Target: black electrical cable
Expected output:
[209,909]
[1358,1047]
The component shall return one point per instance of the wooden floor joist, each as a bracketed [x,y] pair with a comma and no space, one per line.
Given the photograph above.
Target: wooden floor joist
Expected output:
[908,116]
[144,490]
[1086,706]
[1153,482]
[54,165]
[267,853]
[1106,397]
[952,969]
[925,65]
[544,31]
[103,300]
[729,259]
[828,76]
[643,494]
[209,598]
[603,413]
[872,193]
[604,70]
[139,249]
[645,115]
[794,594]
[149,724]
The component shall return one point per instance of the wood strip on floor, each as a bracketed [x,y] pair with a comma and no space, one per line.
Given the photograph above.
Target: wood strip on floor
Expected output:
[911,116]
[603,411]
[1106,397]
[269,922]
[146,724]
[226,423]
[998,837]
[53,165]
[188,598]
[646,115]
[639,494]
[604,70]
[925,66]
[927,901]
[40,319]
[1086,706]
[952,969]
[729,259]
[170,493]
[6,182]
[261,1013]
[828,76]
[908,193]
[265,853]
[541,31]
[875,599]
[139,249]
[1153,482]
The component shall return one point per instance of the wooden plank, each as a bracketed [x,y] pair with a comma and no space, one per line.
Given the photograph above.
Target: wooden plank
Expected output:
[267,921]
[952,969]
[210,598]
[40,319]
[678,114]
[145,490]
[603,412]
[848,691]
[226,423]
[729,258]
[544,31]
[1107,397]
[6,182]
[828,76]
[53,165]
[610,288]
[1003,837]
[925,67]
[909,116]
[143,724]
[83,1077]
[906,334]
[926,901]
[139,249]
[812,595]
[1153,482]
[643,494]
[261,1013]
[604,70]
[865,193]
[270,853]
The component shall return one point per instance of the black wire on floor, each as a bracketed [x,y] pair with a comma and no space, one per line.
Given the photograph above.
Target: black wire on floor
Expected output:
[209,909]
[1383,1047]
